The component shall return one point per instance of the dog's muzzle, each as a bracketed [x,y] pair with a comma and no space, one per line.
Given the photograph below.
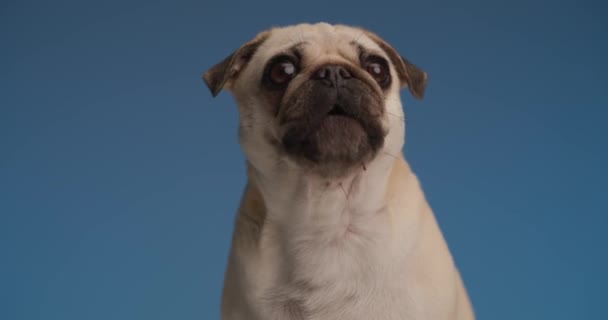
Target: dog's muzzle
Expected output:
[333,119]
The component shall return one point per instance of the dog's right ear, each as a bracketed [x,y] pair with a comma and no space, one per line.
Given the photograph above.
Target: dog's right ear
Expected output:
[220,75]
[410,75]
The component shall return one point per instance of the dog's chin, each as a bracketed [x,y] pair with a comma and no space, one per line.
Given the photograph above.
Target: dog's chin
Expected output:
[338,145]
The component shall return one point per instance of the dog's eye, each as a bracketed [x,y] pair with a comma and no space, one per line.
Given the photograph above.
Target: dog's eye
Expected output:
[378,69]
[281,71]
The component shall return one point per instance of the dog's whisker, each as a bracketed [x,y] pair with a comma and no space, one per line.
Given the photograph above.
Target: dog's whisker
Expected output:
[253,123]
[394,99]
[395,115]
[350,189]
[390,154]
[343,190]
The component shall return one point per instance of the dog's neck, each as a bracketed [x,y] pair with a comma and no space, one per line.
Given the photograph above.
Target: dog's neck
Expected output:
[294,197]
[308,223]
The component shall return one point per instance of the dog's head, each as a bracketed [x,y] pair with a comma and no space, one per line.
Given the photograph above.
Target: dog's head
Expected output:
[322,98]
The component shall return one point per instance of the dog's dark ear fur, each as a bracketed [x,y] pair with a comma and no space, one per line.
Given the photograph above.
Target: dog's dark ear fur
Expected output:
[220,74]
[409,74]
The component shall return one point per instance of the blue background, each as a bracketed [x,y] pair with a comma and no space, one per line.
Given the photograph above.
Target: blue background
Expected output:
[120,175]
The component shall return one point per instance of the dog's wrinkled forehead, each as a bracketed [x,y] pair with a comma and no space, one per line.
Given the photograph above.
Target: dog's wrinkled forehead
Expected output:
[322,40]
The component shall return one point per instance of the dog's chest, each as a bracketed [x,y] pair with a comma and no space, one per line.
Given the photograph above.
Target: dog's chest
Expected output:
[361,299]
[352,269]
[362,306]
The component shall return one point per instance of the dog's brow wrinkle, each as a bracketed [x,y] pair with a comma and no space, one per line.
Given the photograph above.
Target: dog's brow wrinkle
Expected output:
[287,35]
[301,33]
[315,59]
[293,40]
[295,48]
[356,39]
[358,46]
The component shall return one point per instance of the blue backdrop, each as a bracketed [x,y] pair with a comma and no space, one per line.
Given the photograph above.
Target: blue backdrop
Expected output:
[120,175]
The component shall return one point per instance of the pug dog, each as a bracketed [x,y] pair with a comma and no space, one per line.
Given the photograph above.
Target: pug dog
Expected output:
[332,224]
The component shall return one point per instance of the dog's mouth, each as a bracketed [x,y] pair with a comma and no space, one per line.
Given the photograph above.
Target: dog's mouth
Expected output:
[338,120]
[339,124]
[325,128]
[337,110]
[337,139]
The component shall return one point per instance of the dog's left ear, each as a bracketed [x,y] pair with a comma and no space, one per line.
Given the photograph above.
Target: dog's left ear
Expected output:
[410,75]
[222,74]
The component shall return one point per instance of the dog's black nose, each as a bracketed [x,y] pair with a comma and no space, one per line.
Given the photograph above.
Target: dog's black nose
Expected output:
[332,75]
